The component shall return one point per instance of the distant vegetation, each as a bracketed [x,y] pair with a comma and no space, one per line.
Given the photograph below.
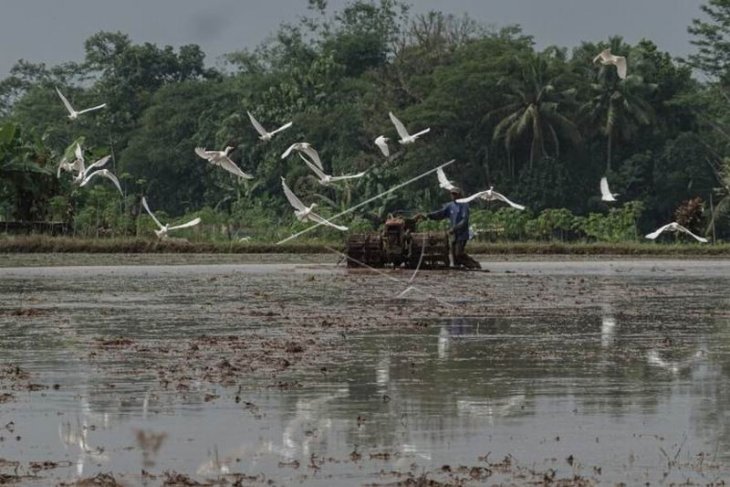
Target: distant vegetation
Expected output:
[541,126]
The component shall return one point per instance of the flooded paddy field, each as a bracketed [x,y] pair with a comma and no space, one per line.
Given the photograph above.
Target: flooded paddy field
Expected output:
[557,372]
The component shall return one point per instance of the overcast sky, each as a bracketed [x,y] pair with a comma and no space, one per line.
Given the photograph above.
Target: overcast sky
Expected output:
[53,31]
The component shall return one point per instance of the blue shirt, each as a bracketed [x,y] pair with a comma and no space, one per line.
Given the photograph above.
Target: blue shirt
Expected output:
[458,215]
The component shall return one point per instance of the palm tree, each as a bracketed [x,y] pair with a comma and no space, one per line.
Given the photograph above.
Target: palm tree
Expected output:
[617,108]
[534,111]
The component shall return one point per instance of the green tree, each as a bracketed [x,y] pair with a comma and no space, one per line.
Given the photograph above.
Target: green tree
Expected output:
[533,111]
[160,155]
[712,39]
[617,108]
[25,175]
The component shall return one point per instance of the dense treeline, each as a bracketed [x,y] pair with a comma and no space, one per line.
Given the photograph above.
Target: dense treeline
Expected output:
[541,126]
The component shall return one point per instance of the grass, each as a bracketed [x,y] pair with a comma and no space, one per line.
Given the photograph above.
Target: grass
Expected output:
[46,244]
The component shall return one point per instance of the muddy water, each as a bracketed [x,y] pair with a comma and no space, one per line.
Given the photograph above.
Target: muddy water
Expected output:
[607,372]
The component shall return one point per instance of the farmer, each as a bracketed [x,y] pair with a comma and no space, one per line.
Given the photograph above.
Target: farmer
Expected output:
[458,215]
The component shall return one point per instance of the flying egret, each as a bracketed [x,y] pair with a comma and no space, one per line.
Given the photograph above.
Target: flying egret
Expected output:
[77,164]
[85,174]
[307,149]
[263,134]
[220,158]
[306,212]
[162,232]
[444,182]
[382,143]
[674,227]
[606,194]
[73,114]
[606,58]
[107,174]
[325,179]
[405,137]
[490,195]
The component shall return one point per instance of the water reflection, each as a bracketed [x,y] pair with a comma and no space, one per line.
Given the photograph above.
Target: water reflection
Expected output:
[608,327]
[75,436]
[443,343]
[456,327]
[382,373]
[612,383]
[654,357]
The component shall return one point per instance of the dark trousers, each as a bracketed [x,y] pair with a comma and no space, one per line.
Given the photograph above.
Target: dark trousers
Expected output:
[461,257]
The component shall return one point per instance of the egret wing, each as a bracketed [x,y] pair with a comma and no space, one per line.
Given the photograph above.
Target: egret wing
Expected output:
[422,132]
[201,152]
[471,198]
[621,66]
[65,102]
[144,204]
[506,200]
[443,180]
[383,146]
[315,217]
[191,223]
[657,232]
[347,176]
[92,108]
[63,165]
[282,128]
[259,128]
[602,55]
[107,174]
[98,164]
[399,127]
[605,192]
[688,232]
[320,174]
[313,155]
[293,200]
[230,166]
[289,149]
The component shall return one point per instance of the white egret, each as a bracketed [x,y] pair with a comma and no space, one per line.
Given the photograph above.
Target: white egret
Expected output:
[674,227]
[85,174]
[606,58]
[220,158]
[325,179]
[490,195]
[107,174]
[303,212]
[263,134]
[444,181]
[606,194]
[306,149]
[162,232]
[77,164]
[405,137]
[73,114]
[382,143]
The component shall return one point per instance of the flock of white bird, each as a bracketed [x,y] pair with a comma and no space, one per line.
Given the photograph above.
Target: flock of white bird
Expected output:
[311,158]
